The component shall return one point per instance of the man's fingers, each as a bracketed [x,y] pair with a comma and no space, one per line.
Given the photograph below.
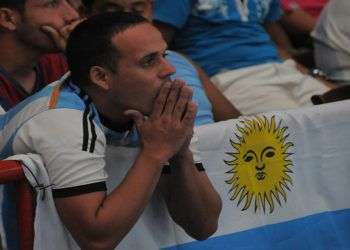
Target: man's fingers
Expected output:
[59,41]
[136,116]
[60,36]
[181,104]
[161,99]
[190,114]
[66,30]
[173,97]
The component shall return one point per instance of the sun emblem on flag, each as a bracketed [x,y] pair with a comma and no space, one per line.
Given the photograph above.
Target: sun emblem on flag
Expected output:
[260,168]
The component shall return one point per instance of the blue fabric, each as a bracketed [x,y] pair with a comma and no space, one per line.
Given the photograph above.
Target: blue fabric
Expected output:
[329,230]
[221,34]
[186,71]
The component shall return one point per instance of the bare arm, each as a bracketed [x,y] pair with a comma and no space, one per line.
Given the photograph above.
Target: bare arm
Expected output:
[285,48]
[280,37]
[223,109]
[100,221]
[191,199]
[299,21]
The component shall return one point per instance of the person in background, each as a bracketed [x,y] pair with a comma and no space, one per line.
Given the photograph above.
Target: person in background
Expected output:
[299,19]
[119,84]
[331,41]
[301,16]
[212,104]
[233,42]
[32,33]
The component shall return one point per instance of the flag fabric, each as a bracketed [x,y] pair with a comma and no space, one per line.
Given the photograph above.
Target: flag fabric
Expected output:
[283,177]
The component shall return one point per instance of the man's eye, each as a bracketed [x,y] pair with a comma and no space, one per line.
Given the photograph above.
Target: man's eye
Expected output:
[165,54]
[113,9]
[51,3]
[148,62]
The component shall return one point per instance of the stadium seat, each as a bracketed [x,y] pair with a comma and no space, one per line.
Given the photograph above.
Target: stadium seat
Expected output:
[11,171]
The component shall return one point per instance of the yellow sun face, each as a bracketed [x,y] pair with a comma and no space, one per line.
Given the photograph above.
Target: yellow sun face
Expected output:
[260,168]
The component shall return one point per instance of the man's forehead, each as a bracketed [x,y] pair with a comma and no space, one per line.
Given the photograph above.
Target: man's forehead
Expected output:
[144,34]
[124,2]
[72,2]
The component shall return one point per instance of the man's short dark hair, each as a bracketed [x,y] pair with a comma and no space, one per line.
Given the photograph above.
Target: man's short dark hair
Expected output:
[90,43]
[16,4]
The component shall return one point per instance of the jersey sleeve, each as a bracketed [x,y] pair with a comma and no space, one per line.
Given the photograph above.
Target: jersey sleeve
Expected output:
[196,153]
[174,13]
[72,147]
[275,12]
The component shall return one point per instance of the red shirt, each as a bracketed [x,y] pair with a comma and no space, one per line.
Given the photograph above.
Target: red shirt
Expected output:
[312,7]
[50,68]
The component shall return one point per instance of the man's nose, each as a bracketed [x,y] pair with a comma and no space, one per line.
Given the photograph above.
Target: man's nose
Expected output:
[166,69]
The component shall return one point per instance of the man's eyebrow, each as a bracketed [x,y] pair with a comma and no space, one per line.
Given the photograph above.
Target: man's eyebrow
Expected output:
[106,5]
[148,56]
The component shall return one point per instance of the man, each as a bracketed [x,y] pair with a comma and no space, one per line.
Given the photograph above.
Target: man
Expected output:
[232,41]
[331,41]
[217,108]
[114,83]
[29,30]
[31,34]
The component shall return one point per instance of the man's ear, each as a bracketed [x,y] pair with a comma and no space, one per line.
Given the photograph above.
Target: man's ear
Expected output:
[100,77]
[9,19]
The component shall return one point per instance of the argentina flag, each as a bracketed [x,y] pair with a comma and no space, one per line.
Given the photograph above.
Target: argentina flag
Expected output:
[283,177]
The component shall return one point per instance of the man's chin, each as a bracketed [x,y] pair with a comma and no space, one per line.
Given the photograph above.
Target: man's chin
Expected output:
[47,48]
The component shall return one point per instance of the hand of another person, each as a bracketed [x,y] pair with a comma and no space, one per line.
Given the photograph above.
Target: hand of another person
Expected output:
[171,122]
[60,37]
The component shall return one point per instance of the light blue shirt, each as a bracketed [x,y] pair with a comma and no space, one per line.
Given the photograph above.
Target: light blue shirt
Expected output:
[221,35]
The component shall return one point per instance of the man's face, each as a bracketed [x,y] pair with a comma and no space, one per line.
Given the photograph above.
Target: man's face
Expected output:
[37,13]
[141,69]
[140,7]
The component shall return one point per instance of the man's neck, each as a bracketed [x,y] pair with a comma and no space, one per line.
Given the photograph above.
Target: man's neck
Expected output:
[111,117]
[19,61]
[117,126]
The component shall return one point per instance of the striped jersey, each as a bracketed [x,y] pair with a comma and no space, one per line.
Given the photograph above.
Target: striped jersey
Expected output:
[61,124]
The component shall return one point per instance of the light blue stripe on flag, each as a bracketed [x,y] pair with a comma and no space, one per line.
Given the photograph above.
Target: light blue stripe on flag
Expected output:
[329,230]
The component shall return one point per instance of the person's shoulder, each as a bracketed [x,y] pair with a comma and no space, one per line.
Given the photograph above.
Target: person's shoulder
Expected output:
[57,95]
[178,59]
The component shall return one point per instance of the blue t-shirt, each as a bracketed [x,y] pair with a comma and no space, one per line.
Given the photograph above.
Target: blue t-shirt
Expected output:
[186,71]
[221,34]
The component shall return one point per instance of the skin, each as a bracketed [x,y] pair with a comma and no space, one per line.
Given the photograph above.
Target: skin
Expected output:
[299,21]
[42,27]
[222,108]
[140,86]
